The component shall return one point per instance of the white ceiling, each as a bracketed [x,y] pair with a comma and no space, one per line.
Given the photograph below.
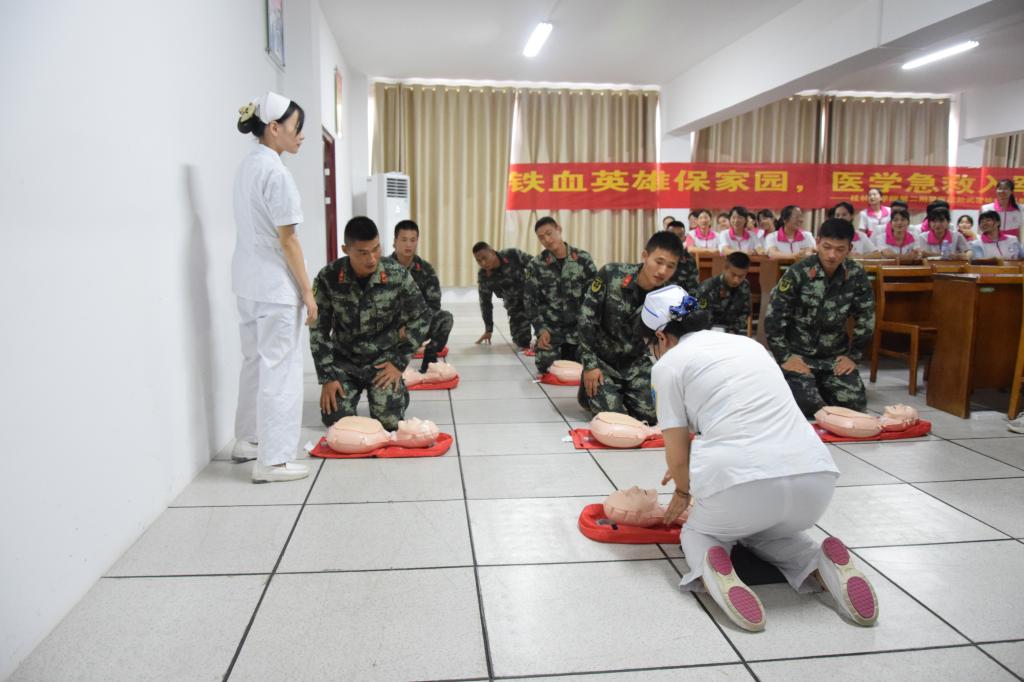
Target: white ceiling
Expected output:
[638,42]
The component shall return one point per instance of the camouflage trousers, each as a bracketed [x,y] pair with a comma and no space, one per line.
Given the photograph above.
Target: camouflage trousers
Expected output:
[561,349]
[519,323]
[626,390]
[386,405]
[822,387]
[440,330]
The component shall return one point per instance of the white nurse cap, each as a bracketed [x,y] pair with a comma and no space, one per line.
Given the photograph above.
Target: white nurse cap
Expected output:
[666,304]
[267,107]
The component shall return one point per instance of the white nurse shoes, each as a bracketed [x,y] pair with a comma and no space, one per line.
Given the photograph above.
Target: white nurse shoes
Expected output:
[850,589]
[243,451]
[292,471]
[731,594]
[1016,425]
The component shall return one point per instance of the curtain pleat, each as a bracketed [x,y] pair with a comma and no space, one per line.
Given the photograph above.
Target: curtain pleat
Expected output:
[1004,151]
[888,131]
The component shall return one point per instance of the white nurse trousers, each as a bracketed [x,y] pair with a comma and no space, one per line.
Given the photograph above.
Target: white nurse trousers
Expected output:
[768,517]
[270,385]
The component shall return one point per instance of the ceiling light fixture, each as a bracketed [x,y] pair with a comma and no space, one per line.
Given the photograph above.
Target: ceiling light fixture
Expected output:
[941,54]
[537,38]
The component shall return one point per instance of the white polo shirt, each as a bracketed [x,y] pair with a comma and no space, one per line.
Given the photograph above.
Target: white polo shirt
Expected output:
[861,244]
[930,246]
[727,238]
[881,239]
[730,389]
[871,222]
[695,239]
[265,198]
[1007,248]
[1011,220]
[778,240]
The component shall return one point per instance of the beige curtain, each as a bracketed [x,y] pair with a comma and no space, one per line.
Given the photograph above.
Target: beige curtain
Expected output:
[788,131]
[1004,151]
[888,131]
[581,126]
[453,142]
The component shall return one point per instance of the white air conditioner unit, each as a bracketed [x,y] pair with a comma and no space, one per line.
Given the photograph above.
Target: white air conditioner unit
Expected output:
[387,202]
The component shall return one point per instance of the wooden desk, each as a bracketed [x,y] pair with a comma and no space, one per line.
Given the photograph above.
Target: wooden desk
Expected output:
[978,319]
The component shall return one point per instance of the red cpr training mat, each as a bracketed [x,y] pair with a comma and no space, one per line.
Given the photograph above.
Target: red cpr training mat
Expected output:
[444,441]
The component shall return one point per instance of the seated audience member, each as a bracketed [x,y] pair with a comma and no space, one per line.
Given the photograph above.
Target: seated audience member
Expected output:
[941,240]
[790,239]
[752,222]
[765,223]
[924,227]
[728,294]
[722,221]
[691,219]
[806,323]
[666,220]
[965,226]
[1011,216]
[895,240]
[503,273]
[555,282]
[875,217]
[703,239]
[993,242]
[862,246]
[677,228]
[738,237]
[616,366]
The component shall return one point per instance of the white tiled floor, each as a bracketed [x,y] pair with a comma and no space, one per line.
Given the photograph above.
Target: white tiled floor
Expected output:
[470,566]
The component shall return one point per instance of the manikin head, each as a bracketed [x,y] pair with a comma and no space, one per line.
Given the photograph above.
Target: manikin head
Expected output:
[566,370]
[486,257]
[407,238]
[275,121]
[362,245]
[835,240]
[634,507]
[988,223]
[737,264]
[670,313]
[549,233]
[678,229]
[659,260]
[898,417]
[416,433]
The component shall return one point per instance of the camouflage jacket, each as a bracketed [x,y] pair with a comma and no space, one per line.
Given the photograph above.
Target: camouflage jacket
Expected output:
[361,328]
[686,274]
[426,279]
[507,283]
[609,320]
[807,313]
[729,307]
[554,291]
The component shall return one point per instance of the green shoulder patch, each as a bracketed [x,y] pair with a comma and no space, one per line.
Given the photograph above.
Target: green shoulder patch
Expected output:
[596,285]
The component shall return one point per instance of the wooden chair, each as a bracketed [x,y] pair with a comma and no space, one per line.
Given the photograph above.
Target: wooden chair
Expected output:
[993,269]
[903,308]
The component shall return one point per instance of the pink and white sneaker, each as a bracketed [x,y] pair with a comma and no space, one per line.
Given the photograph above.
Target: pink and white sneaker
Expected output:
[731,594]
[848,586]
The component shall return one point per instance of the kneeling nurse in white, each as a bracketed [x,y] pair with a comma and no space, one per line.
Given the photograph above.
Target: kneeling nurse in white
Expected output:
[757,472]
[268,276]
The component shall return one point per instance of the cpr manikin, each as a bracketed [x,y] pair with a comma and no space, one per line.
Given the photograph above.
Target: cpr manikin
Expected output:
[359,435]
[620,430]
[852,424]
[566,370]
[436,373]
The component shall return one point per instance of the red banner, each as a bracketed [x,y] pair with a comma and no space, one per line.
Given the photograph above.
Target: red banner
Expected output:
[630,186]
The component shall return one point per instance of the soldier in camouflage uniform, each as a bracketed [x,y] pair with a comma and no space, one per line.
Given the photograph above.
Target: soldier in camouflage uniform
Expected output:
[407,237]
[503,273]
[686,272]
[555,282]
[806,323]
[728,294]
[616,366]
[372,317]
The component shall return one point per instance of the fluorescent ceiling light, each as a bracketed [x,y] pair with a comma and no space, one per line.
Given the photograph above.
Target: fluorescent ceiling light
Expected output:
[537,38]
[941,54]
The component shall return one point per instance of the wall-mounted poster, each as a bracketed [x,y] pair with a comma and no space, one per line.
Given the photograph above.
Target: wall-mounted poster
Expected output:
[275,31]
[337,101]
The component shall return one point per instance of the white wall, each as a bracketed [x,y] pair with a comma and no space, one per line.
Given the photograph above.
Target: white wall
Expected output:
[992,111]
[120,352]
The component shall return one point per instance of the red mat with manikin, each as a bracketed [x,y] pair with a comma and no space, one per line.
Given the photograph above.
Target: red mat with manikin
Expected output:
[443,353]
[919,429]
[595,526]
[436,385]
[552,380]
[444,441]
[583,439]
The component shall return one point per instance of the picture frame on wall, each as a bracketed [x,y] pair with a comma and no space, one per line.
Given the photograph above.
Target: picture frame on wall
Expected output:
[337,102]
[275,31]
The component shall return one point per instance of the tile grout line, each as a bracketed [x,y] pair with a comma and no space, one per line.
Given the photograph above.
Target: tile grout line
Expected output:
[270,578]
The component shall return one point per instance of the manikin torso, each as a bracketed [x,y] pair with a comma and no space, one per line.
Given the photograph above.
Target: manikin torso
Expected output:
[436,373]
[359,435]
[852,424]
[620,430]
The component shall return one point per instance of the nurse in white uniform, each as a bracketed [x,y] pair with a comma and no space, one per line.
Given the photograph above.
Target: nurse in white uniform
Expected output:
[757,472]
[1011,216]
[269,278]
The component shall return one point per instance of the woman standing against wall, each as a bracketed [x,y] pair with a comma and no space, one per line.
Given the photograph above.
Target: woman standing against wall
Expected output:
[268,275]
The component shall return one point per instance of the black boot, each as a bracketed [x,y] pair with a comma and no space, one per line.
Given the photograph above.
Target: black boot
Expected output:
[429,356]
